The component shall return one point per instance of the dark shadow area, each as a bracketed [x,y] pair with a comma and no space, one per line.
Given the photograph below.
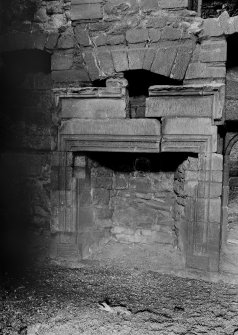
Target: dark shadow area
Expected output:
[131,162]
[22,102]
[139,82]
[232,59]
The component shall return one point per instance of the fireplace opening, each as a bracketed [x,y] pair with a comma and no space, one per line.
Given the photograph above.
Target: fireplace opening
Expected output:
[133,198]
[139,82]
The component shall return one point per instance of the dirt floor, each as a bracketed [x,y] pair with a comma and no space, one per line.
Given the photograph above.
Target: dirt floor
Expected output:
[97,299]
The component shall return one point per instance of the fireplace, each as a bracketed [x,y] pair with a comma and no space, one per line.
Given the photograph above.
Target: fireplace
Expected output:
[156,179]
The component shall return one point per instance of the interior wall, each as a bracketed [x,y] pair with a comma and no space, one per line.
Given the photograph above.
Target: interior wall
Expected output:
[25,157]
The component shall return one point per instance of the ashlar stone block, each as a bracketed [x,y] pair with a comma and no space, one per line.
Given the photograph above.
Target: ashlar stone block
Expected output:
[172,4]
[86,10]
[193,127]
[94,108]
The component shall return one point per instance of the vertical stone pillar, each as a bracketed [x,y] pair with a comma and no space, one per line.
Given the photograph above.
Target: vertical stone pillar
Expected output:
[63,201]
[204,189]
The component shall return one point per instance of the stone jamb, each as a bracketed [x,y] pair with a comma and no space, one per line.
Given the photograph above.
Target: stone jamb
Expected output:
[226,190]
[202,250]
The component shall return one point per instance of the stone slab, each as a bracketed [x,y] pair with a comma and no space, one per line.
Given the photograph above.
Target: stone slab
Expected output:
[98,108]
[179,106]
[186,101]
[114,127]
[188,126]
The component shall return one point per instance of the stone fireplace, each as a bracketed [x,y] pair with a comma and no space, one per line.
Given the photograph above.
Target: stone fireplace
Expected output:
[151,180]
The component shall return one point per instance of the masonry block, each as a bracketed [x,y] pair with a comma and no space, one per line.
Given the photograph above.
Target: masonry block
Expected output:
[86,10]
[105,62]
[171,33]
[51,41]
[181,62]
[62,60]
[172,4]
[114,7]
[148,5]
[149,58]
[93,108]
[213,51]
[202,70]
[67,76]
[101,196]
[137,35]
[66,40]
[91,64]
[215,210]
[164,60]
[154,34]
[136,58]
[120,60]
[211,190]
[111,127]
[82,36]
[190,102]
[212,28]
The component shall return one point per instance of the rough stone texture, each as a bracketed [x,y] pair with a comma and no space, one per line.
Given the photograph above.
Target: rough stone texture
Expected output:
[90,41]
[231,94]
[94,109]
[166,101]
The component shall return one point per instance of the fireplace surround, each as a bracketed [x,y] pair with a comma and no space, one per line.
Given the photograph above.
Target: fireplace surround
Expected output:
[180,121]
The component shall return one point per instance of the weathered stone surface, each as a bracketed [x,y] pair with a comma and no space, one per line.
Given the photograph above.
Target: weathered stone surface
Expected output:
[164,60]
[115,39]
[62,60]
[82,36]
[191,127]
[68,76]
[202,70]
[93,108]
[181,62]
[180,106]
[51,41]
[136,58]
[111,127]
[137,35]
[154,34]
[120,60]
[198,126]
[187,100]
[119,7]
[149,58]
[66,40]
[212,28]
[105,62]
[92,67]
[86,10]
[148,5]
[170,33]
[173,3]
[213,51]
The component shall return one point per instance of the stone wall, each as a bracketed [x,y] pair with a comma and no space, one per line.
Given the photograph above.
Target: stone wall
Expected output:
[26,144]
[132,198]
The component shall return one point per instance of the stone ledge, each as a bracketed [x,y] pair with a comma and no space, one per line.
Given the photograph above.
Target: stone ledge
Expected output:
[110,135]
[186,101]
